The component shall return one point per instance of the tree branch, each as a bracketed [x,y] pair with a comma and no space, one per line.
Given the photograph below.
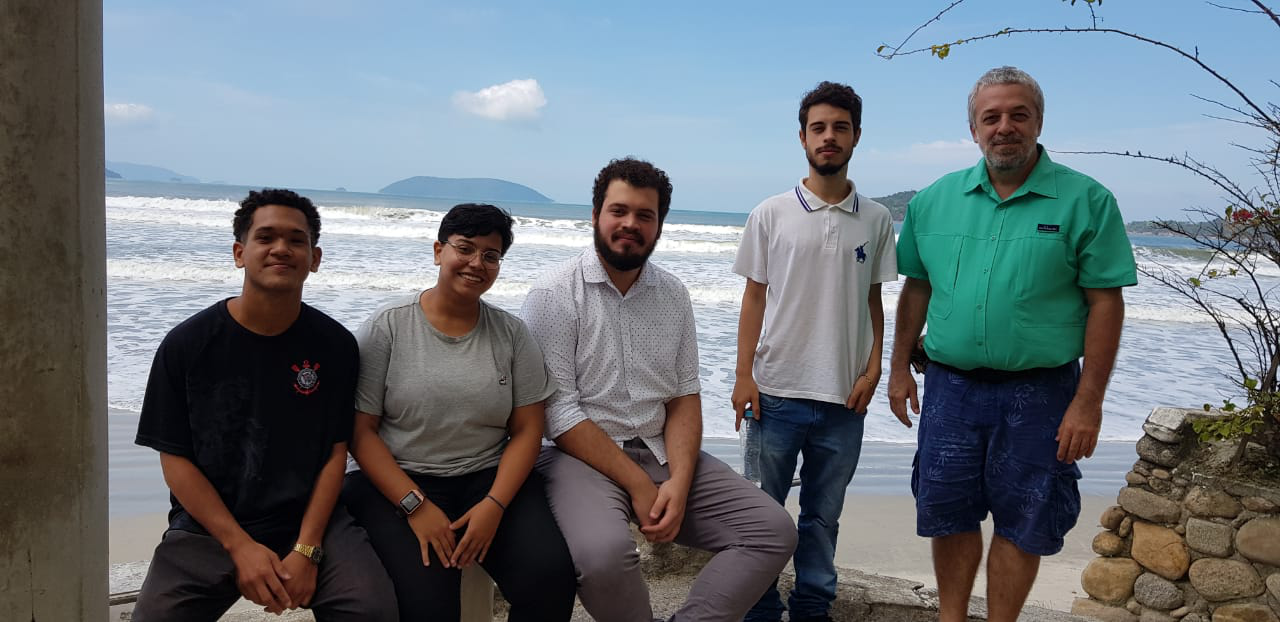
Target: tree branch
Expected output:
[943,49]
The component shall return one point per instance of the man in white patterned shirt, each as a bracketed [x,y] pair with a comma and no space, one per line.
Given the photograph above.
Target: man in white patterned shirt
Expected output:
[619,337]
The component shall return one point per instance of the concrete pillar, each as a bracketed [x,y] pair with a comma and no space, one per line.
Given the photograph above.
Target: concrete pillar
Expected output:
[53,428]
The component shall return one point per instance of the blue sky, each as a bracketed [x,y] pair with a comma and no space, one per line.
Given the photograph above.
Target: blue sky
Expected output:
[328,93]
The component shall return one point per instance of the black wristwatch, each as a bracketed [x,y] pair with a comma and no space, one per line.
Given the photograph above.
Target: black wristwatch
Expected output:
[410,502]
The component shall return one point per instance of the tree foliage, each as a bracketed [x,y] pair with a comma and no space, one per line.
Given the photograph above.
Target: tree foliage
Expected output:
[1242,236]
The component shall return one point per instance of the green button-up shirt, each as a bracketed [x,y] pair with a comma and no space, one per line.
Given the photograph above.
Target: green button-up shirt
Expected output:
[1008,276]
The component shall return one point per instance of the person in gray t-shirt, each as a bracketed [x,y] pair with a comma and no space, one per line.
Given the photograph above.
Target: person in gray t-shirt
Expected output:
[449,420]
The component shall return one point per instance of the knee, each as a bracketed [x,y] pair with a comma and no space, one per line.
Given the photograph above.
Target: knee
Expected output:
[606,559]
[777,531]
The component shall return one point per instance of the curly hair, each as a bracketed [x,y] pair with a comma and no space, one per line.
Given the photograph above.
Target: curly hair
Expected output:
[639,174]
[274,196]
[477,219]
[833,94]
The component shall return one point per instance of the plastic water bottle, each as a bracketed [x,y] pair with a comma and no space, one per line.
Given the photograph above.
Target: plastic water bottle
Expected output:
[749,435]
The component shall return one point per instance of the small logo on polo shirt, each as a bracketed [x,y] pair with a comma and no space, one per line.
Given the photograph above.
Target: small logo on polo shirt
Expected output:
[861,252]
[1047,228]
[308,379]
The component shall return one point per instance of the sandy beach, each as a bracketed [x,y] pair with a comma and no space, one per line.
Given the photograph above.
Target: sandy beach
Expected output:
[877,527]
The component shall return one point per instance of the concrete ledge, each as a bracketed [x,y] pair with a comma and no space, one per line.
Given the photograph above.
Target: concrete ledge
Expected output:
[670,570]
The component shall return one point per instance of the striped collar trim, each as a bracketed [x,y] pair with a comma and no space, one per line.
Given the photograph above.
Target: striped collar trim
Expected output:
[808,200]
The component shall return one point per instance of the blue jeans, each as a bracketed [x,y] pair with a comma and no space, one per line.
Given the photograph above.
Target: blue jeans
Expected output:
[829,437]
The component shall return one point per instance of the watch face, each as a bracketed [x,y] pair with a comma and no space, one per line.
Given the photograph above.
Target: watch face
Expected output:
[410,502]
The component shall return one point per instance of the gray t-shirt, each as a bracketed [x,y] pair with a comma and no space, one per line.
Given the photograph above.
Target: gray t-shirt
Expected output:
[445,401]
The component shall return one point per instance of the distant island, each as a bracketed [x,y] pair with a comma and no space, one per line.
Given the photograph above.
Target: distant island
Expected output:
[146,172]
[481,189]
[113,175]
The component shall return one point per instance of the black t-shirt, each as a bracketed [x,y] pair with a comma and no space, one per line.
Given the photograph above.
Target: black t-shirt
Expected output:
[257,415]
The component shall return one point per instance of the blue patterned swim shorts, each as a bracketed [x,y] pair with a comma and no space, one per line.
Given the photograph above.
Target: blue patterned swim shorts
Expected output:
[989,447]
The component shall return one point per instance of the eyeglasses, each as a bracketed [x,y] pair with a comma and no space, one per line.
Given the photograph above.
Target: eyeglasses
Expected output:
[467,251]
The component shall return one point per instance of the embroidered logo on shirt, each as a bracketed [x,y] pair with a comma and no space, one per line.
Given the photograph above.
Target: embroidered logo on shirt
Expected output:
[1047,228]
[502,380]
[861,252]
[308,380]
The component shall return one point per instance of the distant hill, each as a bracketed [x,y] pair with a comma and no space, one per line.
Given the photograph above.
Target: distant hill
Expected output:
[113,175]
[146,172]
[897,203]
[479,189]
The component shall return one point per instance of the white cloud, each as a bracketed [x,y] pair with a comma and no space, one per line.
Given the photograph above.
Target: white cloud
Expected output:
[127,114]
[510,101]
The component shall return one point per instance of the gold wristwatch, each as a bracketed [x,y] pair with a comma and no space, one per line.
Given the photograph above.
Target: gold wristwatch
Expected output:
[313,553]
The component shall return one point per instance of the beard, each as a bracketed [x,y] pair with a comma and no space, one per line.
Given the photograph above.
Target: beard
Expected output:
[624,262]
[829,169]
[1009,162]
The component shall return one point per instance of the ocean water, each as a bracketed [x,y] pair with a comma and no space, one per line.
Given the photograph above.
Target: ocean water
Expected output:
[169,255]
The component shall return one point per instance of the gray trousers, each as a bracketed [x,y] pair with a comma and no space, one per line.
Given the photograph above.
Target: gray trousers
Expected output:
[751,535]
[192,578]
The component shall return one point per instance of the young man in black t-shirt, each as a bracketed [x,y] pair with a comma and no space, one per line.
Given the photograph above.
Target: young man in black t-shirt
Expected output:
[250,404]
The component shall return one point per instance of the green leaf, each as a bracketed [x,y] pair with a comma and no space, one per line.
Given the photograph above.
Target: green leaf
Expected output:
[881,49]
[1194,282]
[1250,383]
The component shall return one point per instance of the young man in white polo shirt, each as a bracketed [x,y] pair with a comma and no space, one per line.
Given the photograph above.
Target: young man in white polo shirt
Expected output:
[810,337]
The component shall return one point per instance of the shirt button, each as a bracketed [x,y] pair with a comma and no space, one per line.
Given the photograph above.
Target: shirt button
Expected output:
[993,238]
[979,343]
[979,307]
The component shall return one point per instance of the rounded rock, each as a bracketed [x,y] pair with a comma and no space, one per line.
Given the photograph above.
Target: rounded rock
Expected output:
[1244,612]
[1157,452]
[1224,579]
[1134,479]
[1273,585]
[1161,474]
[1209,537]
[1259,540]
[1108,544]
[1151,615]
[1258,504]
[1160,550]
[1110,579]
[1111,517]
[1126,527]
[1098,611]
[1156,592]
[1149,505]
[1206,502]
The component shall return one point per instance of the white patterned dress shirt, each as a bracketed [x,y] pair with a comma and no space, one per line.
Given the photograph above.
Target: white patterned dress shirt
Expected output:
[618,359]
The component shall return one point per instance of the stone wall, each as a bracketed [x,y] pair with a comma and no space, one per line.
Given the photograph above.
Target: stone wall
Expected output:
[1182,545]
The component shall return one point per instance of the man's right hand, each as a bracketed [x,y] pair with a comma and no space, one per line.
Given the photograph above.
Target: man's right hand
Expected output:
[746,394]
[431,526]
[902,386]
[643,497]
[260,575]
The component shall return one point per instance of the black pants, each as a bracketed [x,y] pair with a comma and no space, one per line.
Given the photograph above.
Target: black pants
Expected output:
[193,579]
[528,558]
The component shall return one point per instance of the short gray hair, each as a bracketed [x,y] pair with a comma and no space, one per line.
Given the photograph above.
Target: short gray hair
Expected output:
[1007,75]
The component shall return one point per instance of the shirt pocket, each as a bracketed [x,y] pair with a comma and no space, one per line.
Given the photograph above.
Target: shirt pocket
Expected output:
[942,256]
[1045,290]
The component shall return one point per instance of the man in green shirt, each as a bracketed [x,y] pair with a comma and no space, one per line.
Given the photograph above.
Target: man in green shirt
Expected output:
[1016,264]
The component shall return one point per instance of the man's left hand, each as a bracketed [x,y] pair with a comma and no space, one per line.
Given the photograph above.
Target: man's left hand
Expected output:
[668,512]
[301,585]
[1078,434]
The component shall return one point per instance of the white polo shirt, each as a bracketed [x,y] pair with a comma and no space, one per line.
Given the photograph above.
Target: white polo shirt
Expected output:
[819,261]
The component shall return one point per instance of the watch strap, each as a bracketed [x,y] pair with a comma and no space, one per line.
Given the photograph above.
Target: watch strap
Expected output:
[311,552]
